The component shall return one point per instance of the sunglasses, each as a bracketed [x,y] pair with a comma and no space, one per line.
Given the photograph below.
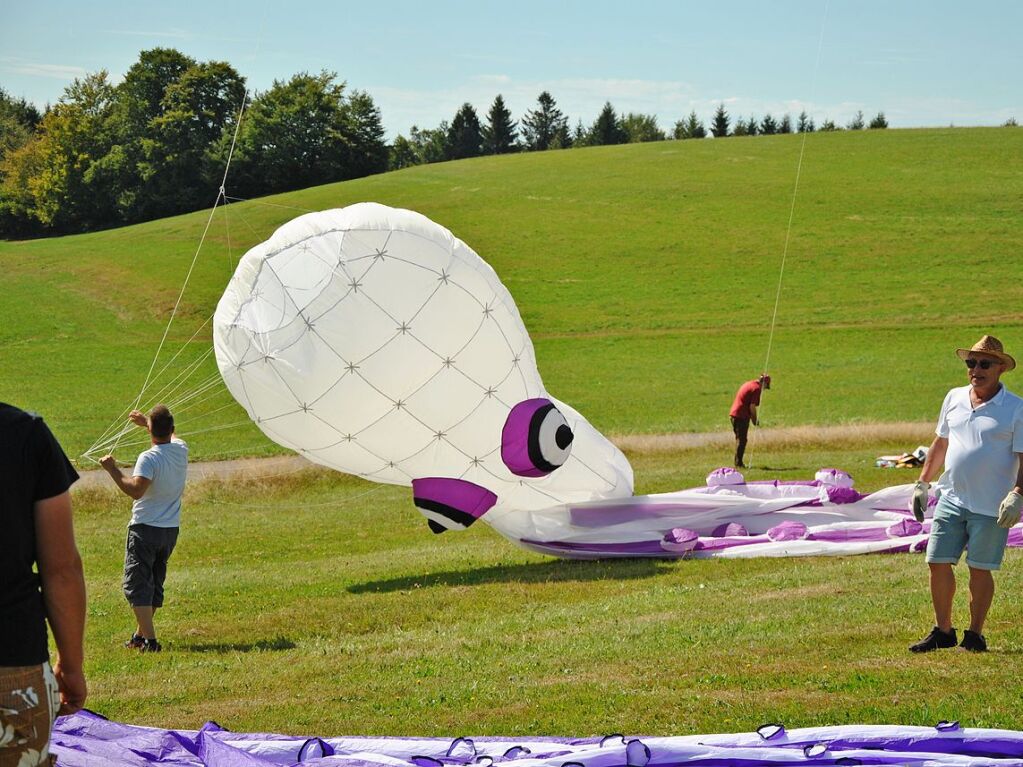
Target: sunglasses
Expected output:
[971,363]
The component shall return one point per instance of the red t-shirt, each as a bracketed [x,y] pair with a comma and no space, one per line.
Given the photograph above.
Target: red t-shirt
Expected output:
[748,394]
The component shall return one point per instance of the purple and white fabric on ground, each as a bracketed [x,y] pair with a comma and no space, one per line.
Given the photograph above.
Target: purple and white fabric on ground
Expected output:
[731,518]
[87,740]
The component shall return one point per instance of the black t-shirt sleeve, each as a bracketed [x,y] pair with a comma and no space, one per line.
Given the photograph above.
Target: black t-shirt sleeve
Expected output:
[55,474]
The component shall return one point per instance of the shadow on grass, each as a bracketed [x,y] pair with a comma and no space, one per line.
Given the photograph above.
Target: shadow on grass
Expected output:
[557,571]
[277,644]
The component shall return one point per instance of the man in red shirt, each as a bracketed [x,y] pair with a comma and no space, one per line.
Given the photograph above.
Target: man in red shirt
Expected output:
[744,410]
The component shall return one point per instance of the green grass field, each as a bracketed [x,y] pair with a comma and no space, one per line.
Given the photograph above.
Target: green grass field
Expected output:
[317,603]
[646,275]
[320,604]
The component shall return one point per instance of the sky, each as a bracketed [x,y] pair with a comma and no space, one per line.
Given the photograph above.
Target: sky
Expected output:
[923,63]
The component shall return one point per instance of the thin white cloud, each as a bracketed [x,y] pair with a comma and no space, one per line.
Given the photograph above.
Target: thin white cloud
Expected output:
[37,69]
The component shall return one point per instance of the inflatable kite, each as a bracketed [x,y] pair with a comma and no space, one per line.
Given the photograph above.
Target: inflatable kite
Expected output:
[373,341]
[88,740]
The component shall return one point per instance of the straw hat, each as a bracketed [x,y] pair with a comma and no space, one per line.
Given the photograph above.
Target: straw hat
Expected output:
[991,346]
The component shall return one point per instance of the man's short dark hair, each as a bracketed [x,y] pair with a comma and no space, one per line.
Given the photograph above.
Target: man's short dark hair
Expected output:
[161,422]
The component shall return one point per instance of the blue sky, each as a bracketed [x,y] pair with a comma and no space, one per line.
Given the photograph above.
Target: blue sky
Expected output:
[922,63]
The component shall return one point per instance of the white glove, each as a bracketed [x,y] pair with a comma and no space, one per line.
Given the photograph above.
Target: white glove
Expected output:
[1009,511]
[919,503]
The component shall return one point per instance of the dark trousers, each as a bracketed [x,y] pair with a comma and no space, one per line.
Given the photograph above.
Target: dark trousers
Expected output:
[740,426]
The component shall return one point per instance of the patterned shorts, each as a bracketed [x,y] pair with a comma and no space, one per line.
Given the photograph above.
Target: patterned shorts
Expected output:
[28,705]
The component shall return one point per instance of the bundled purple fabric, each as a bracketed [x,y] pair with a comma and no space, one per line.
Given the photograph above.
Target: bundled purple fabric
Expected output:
[730,517]
[87,740]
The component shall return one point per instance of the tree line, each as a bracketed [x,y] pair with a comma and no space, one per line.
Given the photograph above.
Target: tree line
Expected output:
[157,143]
[546,127]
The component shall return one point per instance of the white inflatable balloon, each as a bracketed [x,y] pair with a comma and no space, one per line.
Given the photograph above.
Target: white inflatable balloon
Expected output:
[373,341]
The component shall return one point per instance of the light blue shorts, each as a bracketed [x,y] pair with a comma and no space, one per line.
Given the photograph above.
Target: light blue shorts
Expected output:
[955,528]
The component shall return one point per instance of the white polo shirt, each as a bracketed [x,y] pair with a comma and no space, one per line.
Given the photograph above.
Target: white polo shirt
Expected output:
[983,442]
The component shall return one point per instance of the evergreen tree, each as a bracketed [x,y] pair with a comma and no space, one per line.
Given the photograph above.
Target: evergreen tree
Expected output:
[829,126]
[465,136]
[541,125]
[500,132]
[857,122]
[719,126]
[694,127]
[741,128]
[805,124]
[768,126]
[785,126]
[879,121]
[579,137]
[752,126]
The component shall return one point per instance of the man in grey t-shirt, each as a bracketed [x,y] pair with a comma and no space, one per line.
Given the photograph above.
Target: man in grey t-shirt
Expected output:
[155,488]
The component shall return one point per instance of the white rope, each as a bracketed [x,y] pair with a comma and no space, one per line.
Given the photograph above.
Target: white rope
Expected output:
[795,190]
[792,206]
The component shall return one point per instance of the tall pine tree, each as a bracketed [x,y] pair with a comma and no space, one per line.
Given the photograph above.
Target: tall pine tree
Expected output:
[500,132]
[541,126]
[719,127]
[465,137]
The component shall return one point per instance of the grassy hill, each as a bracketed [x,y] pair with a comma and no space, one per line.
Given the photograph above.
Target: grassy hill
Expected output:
[646,275]
[317,603]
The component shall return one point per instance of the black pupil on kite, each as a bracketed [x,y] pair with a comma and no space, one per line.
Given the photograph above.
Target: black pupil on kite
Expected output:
[563,436]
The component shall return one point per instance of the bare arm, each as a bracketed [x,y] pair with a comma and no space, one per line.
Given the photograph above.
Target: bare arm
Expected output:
[63,586]
[753,415]
[133,487]
[935,459]
[1019,475]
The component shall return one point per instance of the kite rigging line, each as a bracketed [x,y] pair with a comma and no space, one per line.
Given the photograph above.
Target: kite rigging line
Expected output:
[792,206]
[795,191]
[119,429]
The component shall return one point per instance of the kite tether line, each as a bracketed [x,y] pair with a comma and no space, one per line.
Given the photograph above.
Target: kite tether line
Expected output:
[792,206]
[111,437]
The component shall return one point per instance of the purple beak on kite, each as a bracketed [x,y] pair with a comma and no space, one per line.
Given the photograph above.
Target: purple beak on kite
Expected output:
[536,438]
[451,504]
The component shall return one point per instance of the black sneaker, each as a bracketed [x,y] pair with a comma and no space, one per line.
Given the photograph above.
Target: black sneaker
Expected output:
[135,642]
[936,640]
[150,645]
[973,642]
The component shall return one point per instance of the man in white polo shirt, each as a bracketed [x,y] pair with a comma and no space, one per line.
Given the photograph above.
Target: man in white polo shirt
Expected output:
[155,488]
[980,442]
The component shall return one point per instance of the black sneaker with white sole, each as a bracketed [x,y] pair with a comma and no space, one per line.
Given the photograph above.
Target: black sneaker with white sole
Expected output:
[936,640]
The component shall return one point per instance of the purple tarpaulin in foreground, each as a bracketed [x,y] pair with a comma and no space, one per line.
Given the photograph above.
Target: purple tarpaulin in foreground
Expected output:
[88,740]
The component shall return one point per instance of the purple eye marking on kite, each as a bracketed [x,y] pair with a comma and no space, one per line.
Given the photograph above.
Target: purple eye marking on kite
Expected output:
[536,438]
[788,531]
[450,504]
[680,540]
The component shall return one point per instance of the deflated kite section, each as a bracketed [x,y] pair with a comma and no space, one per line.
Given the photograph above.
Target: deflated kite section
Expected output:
[88,740]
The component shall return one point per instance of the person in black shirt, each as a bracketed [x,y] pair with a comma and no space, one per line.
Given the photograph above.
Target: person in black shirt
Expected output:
[36,529]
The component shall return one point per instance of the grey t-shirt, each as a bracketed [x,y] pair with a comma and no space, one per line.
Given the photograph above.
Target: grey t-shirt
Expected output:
[165,465]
